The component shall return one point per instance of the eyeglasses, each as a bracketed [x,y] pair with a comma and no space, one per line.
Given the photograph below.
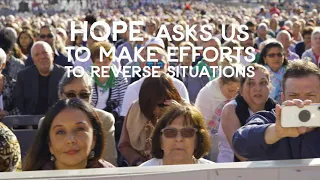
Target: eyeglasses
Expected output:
[43,36]
[186,132]
[159,63]
[272,55]
[82,95]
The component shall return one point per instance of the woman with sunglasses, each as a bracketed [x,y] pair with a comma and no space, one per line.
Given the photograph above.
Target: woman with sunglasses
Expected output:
[155,96]
[180,137]
[71,137]
[80,87]
[272,57]
[108,91]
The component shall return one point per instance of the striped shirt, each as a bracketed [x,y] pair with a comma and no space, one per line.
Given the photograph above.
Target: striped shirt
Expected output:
[116,94]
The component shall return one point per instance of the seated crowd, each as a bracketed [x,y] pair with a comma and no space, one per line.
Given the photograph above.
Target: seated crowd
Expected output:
[115,121]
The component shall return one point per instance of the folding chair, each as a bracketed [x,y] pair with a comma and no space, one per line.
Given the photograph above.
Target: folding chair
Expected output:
[25,136]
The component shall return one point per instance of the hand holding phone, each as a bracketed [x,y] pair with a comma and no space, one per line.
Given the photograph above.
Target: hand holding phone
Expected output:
[283,126]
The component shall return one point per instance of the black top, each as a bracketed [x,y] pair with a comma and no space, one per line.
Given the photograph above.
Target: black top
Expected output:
[42,104]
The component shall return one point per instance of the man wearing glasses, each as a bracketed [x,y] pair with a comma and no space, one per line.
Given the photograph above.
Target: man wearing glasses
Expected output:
[48,34]
[132,92]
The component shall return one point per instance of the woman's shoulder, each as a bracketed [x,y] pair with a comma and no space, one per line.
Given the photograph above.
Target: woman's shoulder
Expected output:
[152,162]
[204,161]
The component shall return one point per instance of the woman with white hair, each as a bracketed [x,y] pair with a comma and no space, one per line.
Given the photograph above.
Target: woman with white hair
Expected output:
[314,52]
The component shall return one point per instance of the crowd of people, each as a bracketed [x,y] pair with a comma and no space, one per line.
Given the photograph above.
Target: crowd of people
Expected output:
[115,121]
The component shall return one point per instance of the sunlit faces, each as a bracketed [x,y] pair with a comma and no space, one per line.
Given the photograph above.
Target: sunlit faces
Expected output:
[230,89]
[256,90]
[274,58]
[285,40]
[47,36]
[43,58]
[179,148]
[303,88]
[25,40]
[315,40]
[78,87]
[71,139]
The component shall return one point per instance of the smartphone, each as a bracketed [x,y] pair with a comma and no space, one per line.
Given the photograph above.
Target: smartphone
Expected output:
[308,116]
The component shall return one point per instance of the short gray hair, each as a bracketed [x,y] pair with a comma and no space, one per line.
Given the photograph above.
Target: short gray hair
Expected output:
[3,56]
[314,32]
[283,32]
[65,80]
[44,44]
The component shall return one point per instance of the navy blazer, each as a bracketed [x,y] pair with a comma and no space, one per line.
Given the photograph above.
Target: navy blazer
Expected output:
[26,92]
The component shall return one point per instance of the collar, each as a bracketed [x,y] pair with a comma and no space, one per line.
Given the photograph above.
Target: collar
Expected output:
[56,52]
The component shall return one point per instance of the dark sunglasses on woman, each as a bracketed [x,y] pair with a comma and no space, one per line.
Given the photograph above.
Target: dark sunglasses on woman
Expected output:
[272,55]
[186,132]
[82,95]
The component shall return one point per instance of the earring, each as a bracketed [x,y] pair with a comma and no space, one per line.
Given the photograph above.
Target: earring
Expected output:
[52,158]
[92,154]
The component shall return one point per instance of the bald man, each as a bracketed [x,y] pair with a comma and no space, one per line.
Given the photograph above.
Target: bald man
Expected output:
[37,86]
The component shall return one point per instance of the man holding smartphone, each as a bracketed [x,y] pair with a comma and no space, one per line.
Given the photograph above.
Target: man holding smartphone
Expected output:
[263,137]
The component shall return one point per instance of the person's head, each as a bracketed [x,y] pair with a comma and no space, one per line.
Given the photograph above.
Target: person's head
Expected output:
[284,38]
[25,40]
[95,55]
[154,92]
[3,59]
[306,34]
[252,26]
[69,133]
[156,54]
[296,28]
[256,89]
[301,81]
[185,60]
[249,42]
[315,38]
[48,34]
[229,84]
[150,26]
[75,85]
[180,135]
[231,45]
[43,56]
[7,41]
[274,24]
[273,55]
[214,42]
[262,30]
[98,32]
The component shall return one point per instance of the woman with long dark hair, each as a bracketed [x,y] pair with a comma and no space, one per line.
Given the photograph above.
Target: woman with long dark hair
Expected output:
[70,137]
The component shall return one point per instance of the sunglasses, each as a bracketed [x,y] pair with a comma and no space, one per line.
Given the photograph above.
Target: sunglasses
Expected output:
[272,55]
[82,95]
[43,36]
[159,64]
[187,132]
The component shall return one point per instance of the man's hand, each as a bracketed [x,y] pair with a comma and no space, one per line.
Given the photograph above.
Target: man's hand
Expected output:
[276,132]
[290,132]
